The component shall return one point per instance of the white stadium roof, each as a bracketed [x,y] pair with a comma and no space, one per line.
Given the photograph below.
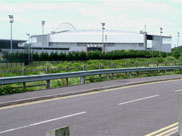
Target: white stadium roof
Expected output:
[95,36]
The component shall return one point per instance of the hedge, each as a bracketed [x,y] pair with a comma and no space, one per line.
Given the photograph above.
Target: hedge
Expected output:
[91,55]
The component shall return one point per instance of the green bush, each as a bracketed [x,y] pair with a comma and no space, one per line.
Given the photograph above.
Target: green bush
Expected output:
[10,90]
[70,56]
[53,56]
[176,54]
[62,56]
[95,55]
[91,55]
[13,57]
[83,55]
[35,56]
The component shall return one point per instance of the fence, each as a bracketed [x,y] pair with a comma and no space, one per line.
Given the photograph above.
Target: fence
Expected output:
[81,74]
[47,70]
[10,64]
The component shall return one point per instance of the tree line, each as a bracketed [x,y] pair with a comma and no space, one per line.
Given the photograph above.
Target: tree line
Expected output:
[91,55]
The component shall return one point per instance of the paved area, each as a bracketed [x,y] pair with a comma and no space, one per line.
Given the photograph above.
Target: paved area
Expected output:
[138,110]
[80,88]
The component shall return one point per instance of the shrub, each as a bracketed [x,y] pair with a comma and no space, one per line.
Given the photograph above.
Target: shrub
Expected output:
[14,57]
[43,56]
[53,56]
[35,56]
[91,55]
[176,54]
[83,55]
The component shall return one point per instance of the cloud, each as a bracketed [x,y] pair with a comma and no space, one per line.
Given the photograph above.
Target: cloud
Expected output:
[176,1]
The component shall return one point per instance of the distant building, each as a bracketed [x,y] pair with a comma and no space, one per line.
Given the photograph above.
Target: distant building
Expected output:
[68,39]
[5,45]
[159,43]
[72,40]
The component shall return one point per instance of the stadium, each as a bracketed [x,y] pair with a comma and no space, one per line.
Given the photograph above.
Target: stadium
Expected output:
[66,38]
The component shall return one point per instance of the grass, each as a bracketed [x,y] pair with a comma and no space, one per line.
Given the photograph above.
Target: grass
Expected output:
[57,67]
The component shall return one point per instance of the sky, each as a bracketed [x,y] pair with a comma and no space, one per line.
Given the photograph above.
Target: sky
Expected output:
[124,15]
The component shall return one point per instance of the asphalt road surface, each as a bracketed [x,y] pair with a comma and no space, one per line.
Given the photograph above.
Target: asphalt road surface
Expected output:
[149,109]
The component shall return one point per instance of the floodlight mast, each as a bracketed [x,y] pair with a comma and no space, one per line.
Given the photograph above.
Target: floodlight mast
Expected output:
[43,24]
[161,31]
[11,32]
[178,39]
[29,48]
[103,28]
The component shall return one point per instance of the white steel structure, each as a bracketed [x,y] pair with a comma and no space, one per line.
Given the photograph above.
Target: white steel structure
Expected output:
[72,40]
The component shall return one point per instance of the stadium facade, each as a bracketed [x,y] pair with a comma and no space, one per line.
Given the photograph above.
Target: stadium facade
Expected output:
[17,46]
[69,39]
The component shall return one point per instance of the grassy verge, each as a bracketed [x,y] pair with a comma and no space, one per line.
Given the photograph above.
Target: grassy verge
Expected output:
[57,67]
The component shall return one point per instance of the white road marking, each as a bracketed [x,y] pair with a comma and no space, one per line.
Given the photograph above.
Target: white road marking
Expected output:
[42,122]
[84,94]
[138,99]
[180,90]
[117,88]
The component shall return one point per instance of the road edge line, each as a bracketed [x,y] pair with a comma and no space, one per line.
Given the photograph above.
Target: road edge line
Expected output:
[33,99]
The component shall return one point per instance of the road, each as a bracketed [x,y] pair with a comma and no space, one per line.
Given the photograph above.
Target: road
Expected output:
[136,110]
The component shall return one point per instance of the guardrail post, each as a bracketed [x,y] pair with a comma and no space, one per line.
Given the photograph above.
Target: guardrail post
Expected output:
[100,74]
[157,64]
[136,64]
[180,115]
[129,74]
[2,87]
[67,78]
[84,67]
[138,74]
[47,70]
[112,73]
[126,65]
[48,84]
[107,76]
[175,65]
[148,63]
[82,79]
[24,73]
[148,73]
[166,63]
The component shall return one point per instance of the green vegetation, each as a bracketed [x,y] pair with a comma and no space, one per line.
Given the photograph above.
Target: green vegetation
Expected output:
[177,52]
[92,60]
[38,67]
[82,56]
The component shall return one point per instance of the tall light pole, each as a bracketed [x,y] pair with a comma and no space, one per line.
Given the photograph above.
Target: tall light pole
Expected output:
[161,31]
[43,24]
[11,22]
[105,42]
[28,38]
[29,47]
[178,39]
[103,28]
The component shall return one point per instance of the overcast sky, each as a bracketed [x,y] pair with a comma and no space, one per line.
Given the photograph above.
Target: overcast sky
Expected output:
[126,15]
